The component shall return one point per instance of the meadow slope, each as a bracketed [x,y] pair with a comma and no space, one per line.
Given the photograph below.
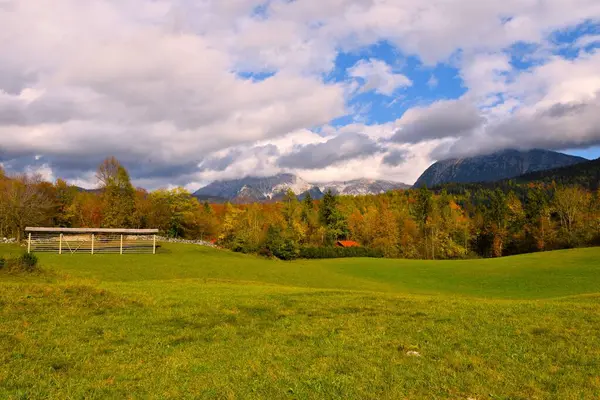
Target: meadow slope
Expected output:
[194,322]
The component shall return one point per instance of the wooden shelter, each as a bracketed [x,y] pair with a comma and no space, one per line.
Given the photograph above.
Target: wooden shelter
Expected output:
[91,240]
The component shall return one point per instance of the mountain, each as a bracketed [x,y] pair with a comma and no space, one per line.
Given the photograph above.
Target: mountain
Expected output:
[494,167]
[251,189]
[359,187]
[271,188]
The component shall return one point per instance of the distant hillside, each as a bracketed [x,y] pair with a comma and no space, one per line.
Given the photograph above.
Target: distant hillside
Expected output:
[494,167]
[585,174]
[271,188]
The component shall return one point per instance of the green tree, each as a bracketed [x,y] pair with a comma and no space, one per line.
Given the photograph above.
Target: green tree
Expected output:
[280,245]
[334,221]
[64,200]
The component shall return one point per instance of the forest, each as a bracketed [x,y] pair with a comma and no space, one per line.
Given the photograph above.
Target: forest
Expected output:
[472,222]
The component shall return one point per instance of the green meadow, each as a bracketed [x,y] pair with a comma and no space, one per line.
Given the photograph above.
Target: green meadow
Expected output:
[199,323]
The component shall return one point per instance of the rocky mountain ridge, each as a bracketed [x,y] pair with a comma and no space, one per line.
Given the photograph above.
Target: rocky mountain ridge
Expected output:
[272,188]
[494,167]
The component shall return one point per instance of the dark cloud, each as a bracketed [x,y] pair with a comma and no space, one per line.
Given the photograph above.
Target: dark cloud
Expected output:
[77,166]
[221,163]
[346,146]
[560,126]
[560,110]
[447,118]
[13,82]
[395,157]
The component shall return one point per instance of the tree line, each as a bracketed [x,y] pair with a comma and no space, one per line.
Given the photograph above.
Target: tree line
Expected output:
[472,222]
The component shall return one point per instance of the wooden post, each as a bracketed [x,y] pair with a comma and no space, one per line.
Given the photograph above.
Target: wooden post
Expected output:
[154,244]
[60,244]
[121,244]
[92,243]
[29,243]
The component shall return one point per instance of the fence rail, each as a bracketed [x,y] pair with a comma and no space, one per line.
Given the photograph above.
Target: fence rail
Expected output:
[90,243]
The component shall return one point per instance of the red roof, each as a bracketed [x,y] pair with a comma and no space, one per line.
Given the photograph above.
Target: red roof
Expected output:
[347,243]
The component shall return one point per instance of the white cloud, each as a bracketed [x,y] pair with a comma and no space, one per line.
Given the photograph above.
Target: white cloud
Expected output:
[485,74]
[557,109]
[433,82]
[159,83]
[587,40]
[378,76]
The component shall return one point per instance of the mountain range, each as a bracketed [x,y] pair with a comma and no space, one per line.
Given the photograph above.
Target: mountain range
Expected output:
[506,164]
[272,188]
[494,167]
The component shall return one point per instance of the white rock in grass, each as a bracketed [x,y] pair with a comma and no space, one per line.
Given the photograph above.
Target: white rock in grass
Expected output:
[413,353]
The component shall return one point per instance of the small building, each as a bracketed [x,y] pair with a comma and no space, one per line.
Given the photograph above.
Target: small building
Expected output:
[346,243]
[91,240]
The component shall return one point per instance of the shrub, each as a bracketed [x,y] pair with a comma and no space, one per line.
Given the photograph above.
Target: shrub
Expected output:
[25,263]
[281,246]
[28,261]
[287,250]
[339,252]
[264,252]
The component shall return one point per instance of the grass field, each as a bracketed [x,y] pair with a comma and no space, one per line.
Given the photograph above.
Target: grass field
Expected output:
[194,322]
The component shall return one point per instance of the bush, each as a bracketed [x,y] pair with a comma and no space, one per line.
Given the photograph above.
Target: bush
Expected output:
[25,263]
[264,252]
[279,245]
[28,261]
[339,252]
[287,250]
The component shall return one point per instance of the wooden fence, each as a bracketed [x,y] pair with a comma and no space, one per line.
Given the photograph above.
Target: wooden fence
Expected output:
[91,241]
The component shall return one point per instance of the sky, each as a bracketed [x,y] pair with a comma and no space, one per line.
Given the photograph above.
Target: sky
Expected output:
[184,92]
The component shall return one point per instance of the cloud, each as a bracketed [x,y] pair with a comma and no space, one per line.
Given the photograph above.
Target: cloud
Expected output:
[163,85]
[433,82]
[442,119]
[561,126]
[378,76]
[396,157]
[486,74]
[222,162]
[587,40]
[120,80]
[346,146]
[558,109]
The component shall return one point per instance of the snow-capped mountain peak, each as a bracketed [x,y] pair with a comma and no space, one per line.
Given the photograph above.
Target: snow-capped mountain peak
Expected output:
[253,189]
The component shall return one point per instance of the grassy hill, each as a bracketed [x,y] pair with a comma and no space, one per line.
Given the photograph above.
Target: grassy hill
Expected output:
[194,322]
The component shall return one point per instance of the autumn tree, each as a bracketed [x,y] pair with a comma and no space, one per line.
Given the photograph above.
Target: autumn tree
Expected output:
[570,204]
[87,210]
[423,210]
[175,212]
[385,231]
[64,198]
[24,202]
[118,194]
[207,222]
